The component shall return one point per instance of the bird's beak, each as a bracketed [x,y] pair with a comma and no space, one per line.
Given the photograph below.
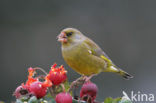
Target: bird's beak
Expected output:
[62,37]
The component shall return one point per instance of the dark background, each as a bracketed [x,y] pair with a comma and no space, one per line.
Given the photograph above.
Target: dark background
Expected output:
[124,29]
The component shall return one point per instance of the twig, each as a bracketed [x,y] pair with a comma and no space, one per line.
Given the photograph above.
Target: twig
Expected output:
[51,91]
[38,68]
[62,85]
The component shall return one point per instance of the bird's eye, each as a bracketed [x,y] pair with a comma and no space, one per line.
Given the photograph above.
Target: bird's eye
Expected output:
[69,34]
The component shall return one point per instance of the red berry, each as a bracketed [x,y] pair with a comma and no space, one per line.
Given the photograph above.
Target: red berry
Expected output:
[88,90]
[38,89]
[57,75]
[20,91]
[17,92]
[63,98]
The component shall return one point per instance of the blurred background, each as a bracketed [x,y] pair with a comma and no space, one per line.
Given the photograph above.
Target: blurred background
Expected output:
[124,29]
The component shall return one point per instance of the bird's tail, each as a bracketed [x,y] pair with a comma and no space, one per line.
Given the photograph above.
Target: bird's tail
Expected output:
[119,71]
[124,74]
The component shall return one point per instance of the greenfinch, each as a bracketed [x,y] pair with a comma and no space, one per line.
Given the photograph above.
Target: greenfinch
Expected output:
[85,56]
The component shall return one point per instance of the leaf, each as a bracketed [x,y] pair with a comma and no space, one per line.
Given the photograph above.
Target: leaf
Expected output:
[125,101]
[66,85]
[24,99]
[51,101]
[48,99]
[116,100]
[108,100]
[111,100]
[33,100]
[18,101]
[48,96]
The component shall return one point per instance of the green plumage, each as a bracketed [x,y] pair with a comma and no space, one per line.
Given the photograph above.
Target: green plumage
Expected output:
[86,57]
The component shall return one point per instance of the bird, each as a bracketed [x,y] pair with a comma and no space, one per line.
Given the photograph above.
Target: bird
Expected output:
[84,56]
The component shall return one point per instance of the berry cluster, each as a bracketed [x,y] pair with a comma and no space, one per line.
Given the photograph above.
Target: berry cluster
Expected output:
[56,76]
[33,86]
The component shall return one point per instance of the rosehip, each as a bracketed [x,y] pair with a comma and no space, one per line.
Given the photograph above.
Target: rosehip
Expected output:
[57,75]
[88,91]
[38,89]
[63,98]
[20,91]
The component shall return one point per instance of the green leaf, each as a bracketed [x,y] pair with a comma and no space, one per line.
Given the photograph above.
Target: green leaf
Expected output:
[66,85]
[108,100]
[48,96]
[24,98]
[111,100]
[33,100]
[125,101]
[116,100]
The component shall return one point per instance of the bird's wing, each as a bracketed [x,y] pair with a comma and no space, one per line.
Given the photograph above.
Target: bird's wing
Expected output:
[95,50]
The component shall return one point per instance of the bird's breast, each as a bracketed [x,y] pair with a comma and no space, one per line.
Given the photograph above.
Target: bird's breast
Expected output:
[79,59]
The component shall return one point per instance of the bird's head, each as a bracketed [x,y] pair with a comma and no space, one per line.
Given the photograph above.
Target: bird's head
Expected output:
[70,35]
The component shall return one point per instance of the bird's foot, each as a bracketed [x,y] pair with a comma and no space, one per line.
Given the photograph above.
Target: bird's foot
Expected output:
[77,82]
[80,81]
[89,78]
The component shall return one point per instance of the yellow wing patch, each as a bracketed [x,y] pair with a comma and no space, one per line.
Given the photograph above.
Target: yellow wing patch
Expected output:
[109,62]
[110,66]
